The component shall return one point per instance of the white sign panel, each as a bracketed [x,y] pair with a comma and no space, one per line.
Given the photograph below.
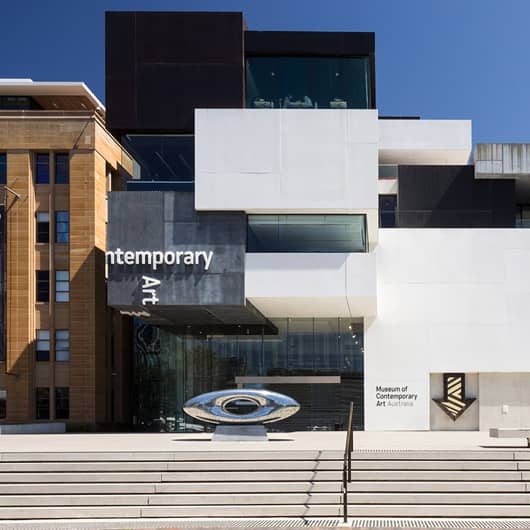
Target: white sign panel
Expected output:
[400,404]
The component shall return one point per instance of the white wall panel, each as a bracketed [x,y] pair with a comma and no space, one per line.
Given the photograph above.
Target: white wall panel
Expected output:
[286,160]
[311,285]
[449,300]
[424,141]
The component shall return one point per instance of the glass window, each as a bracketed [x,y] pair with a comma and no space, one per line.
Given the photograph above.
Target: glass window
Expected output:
[3,168]
[43,168]
[168,158]
[387,211]
[43,286]
[62,403]
[62,286]
[308,82]
[43,345]
[3,403]
[62,168]
[42,403]
[306,233]
[62,345]
[171,368]
[522,216]
[62,221]
[18,103]
[43,227]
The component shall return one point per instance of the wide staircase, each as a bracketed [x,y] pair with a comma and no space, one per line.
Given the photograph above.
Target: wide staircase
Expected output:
[482,483]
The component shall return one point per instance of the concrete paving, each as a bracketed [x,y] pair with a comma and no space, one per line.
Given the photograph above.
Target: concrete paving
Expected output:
[294,441]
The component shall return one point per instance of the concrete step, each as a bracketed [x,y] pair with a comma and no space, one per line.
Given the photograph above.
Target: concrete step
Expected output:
[261,465]
[84,488]
[323,510]
[314,476]
[128,488]
[216,456]
[78,477]
[281,510]
[212,499]
[263,476]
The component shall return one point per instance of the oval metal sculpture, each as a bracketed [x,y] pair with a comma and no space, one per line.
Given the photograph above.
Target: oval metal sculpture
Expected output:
[214,407]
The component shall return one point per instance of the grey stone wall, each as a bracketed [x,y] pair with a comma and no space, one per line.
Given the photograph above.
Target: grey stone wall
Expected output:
[167,221]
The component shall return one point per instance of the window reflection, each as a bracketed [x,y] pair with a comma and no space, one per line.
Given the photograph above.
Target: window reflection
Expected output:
[171,368]
[306,233]
[308,82]
[167,158]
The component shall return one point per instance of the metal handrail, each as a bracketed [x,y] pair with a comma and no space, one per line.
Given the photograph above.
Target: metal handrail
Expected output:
[346,465]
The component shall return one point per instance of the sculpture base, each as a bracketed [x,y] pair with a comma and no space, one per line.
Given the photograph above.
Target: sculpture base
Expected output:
[240,433]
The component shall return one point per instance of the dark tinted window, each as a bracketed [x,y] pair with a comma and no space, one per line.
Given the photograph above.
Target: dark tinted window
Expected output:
[3,403]
[62,168]
[62,222]
[3,168]
[43,227]
[62,345]
[306,233]
[43,286]
[62,286]
[42,403]
[62,403]
[17,103]
[168,158]
[387,211]
[308,82]
[42,168]
[43,345]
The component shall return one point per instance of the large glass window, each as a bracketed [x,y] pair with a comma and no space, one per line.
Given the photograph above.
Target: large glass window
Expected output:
[43,227]
[43,345]
[62,403]
[42,403]
[62,286]
[62,221]
[62,345]
[43,286]
[308,82]
[306,233]
[171,368]
[167,158]
[42,168]
[3,168]
[62,168]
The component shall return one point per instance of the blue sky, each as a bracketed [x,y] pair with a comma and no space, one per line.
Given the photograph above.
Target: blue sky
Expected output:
[436,59]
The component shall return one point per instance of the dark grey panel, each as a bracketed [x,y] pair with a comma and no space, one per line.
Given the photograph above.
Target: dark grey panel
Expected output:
[167,221]
[451,197]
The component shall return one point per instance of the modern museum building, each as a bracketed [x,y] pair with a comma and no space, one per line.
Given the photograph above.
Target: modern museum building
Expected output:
[279,233]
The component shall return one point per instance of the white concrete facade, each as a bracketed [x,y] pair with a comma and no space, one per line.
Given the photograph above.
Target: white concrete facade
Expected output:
[312,285]
[434,301]
[424,142]
[450,300]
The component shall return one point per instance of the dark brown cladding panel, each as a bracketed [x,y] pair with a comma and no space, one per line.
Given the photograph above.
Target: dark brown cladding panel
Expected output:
[312,43]
[160,66]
